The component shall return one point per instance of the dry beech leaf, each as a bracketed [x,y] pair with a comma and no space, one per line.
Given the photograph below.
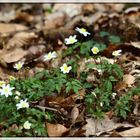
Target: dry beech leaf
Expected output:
[134,132]
[9,28]
[74,114]
[70,9]
[97,127]
[120,86]
[56,130]
[23,16]
[129,79]
[20,39]
[136,44]
[55,20]
[10,56]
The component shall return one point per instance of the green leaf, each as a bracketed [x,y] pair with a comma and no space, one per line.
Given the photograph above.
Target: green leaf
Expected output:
[108,86]
[103,33]
[114,39]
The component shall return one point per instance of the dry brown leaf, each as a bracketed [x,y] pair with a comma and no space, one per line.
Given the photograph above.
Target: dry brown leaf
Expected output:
[10,56]
[9,28]
[134,132]
[91,77]
[70,9]
[120,86]
[7,16]
[96,127]
[20,39]
[136,44]
[56,130]
[55,20]
[74,114]
[24,17]
[129,79]
[88,7]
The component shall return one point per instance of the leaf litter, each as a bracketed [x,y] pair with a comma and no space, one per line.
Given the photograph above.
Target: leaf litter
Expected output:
[27,34]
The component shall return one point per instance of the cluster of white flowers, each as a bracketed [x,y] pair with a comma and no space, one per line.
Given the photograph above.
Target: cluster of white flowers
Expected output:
[72,39]
[6,90]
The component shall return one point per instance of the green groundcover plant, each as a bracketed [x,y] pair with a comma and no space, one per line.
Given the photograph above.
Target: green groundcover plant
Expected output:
[18,116]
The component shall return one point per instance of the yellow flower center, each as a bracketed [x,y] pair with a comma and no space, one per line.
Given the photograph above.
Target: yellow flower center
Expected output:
[6,90]
[49,56]
[95,50]
[19,66]
[23,104]
[72,40]
[83,30]
[65,68]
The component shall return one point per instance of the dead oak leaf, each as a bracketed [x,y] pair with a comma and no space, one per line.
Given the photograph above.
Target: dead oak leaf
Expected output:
[96,127]
[20,39]
[56,130]
[134,132]
[74,114]
[10,56]
[10,28]
[121,85]
[129,79]
[136,44]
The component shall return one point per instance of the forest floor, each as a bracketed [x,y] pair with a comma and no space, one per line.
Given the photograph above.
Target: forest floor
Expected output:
[70,70]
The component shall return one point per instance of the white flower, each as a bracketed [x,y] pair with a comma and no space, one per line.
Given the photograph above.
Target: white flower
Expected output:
[65,68]
[16,97]
[17,93]
[114,95]
[71,40]
[100,71]
[2,83]
[95,50]
[18,65]
[101,104]
[6,90]
[94,94]
[22,104]
[27,125]
[116,53]
[50,56]
[82,31]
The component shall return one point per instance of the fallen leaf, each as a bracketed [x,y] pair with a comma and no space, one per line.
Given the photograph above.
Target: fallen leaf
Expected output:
[23,16]
[136,44]
[129,79]
[55,20]
[70,9]
[74,114]
[9,28]
[10,56]
[7,16]
[20,39]
[96,127]
[134,132]
[56,130]
[121,85]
